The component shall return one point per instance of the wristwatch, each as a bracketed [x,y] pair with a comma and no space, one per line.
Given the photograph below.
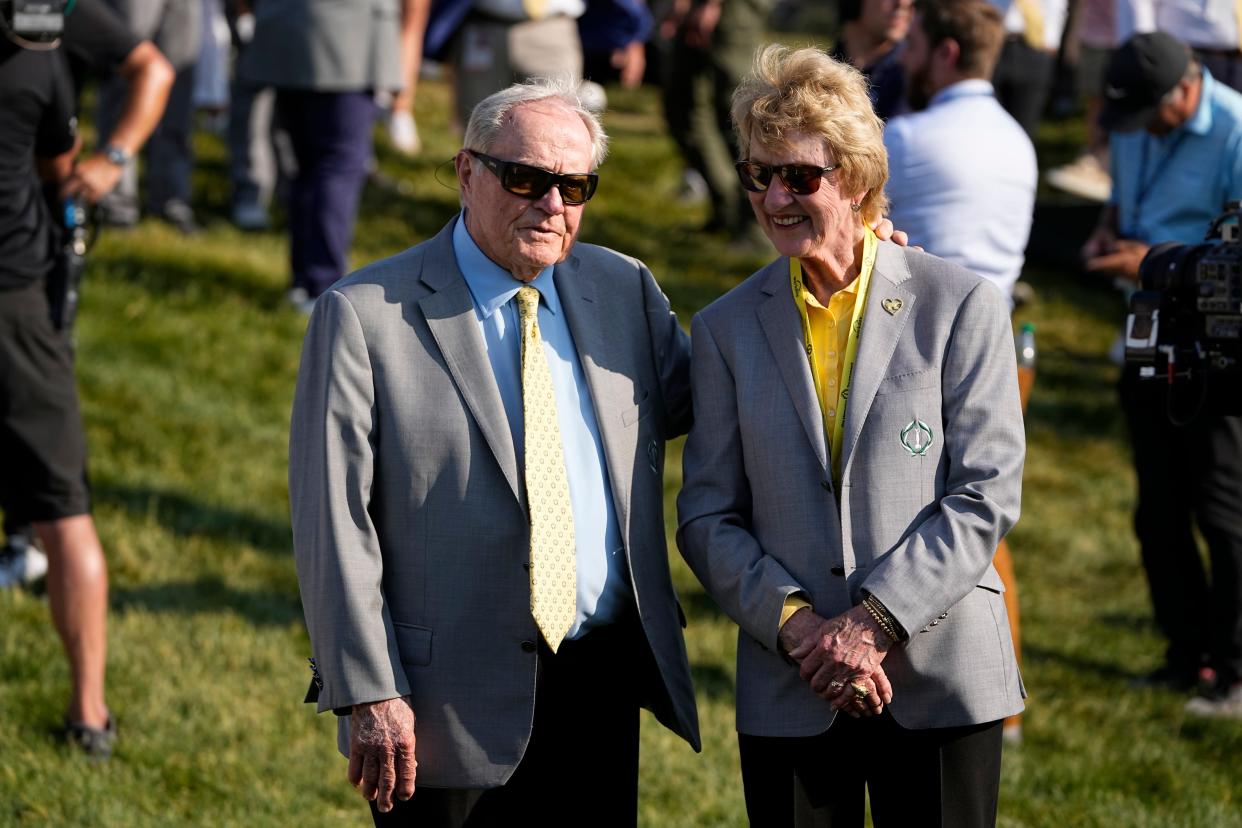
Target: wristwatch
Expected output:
[115,154]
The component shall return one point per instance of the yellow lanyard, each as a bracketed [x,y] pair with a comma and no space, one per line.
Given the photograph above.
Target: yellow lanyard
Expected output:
[837,431]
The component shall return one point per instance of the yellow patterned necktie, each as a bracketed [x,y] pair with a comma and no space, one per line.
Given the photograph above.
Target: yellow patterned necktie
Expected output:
[553,552]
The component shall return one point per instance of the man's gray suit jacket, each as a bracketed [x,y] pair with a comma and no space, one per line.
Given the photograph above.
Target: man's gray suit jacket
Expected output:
[760,516]
[325,45]
[409,512]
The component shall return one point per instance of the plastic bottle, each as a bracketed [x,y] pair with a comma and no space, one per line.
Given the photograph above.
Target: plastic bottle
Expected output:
[1025,346]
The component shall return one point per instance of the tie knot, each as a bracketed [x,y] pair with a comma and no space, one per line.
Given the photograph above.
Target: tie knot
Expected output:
[528,301]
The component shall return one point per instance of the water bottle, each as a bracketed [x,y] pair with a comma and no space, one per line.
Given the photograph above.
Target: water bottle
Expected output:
[1025,346]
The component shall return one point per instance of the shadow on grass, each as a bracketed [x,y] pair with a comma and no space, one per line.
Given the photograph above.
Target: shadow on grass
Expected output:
[711,681]
[184,516]
[700,607]
[208,594]
[1035,654]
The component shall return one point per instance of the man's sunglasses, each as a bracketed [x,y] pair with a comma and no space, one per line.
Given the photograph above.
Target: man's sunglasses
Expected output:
[799,179]
[532,182]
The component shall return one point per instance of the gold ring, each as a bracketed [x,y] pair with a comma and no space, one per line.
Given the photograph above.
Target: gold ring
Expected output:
[860,691]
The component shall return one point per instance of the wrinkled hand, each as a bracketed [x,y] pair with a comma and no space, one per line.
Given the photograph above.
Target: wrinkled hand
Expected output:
[1123,259]
[92,178]
[381,751]
[836,654]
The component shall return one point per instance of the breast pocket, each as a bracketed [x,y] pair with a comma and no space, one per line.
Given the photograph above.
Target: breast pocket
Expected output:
[901,442]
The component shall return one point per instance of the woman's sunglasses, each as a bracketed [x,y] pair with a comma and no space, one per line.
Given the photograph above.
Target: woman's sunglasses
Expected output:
[799,179]
[532,182]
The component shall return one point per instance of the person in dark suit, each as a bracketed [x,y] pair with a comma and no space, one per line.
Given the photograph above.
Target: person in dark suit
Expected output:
[476,480]
[328,61]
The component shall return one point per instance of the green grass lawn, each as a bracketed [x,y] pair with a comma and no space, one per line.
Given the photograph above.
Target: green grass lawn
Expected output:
[187,358]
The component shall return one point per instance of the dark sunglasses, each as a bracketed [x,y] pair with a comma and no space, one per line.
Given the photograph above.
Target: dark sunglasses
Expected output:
[532,182]
[799,179]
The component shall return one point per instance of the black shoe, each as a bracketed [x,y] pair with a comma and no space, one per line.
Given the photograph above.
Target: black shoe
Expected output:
[95,742]
[1169,677]
[177,213]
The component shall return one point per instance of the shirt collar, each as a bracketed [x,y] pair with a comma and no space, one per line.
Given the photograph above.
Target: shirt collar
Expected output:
[969,88]
[491,285]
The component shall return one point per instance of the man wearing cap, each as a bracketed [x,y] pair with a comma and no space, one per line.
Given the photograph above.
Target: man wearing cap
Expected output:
[1176,151]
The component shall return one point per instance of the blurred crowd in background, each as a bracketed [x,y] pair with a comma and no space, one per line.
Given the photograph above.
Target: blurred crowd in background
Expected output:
[297,88]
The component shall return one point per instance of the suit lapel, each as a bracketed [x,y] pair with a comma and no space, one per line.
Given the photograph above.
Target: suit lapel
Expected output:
[449,311]
[783,329]
[881,331]
[607,378]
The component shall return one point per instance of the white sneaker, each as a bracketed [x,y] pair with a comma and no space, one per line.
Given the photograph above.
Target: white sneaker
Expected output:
[1084,177]
[403,133]
[1218,703]
[21,564]
[250,216]
[300,300]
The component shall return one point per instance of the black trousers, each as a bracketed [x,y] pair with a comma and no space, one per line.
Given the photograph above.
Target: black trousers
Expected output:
[583,745]
[331,137]
[1023,79]
[1189,476]
[940,777]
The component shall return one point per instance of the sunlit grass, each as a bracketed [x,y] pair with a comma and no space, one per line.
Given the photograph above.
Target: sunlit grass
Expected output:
[187,358]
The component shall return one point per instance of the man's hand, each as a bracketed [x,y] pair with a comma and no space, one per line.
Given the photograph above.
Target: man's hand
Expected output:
[381,751]
[701,22]
[92,178]
[1123,259]
[840,657]
[884,231]
[631,60]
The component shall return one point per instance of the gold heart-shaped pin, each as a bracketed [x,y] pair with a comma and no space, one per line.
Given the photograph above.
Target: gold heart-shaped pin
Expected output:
[891,305]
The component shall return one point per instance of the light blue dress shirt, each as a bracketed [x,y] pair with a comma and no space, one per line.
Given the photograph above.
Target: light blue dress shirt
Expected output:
[962,178]
[1170,188]
[603,591]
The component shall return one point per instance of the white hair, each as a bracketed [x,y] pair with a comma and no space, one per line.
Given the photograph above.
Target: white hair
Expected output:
[488,118]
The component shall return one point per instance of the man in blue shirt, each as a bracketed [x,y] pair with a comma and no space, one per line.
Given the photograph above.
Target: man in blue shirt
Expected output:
[962,172]
[1176,159]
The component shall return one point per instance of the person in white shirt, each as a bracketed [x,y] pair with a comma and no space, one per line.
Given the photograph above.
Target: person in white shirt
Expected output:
[962,171]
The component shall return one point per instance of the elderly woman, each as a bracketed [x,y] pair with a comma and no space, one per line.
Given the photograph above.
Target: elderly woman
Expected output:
[855,458]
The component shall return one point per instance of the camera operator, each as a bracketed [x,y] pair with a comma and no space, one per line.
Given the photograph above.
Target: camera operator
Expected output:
[43,478]
[1176,150]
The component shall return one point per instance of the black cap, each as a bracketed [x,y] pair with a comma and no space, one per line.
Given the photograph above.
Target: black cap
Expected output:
[1139,74]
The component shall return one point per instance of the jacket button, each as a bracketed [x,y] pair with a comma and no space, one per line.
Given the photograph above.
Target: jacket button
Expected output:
[838,571]
[528,646]
[827,484]
[526,566]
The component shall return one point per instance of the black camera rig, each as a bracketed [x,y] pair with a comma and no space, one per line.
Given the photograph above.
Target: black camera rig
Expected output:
[1185,322]
[32,23]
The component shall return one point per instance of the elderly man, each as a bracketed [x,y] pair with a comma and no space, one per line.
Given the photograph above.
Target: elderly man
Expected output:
[1176,159]
[476,475]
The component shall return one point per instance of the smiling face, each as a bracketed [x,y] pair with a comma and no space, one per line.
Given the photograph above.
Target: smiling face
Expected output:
[521,235]
[820,227]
